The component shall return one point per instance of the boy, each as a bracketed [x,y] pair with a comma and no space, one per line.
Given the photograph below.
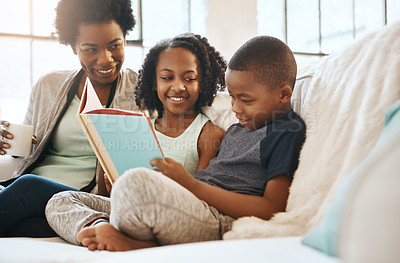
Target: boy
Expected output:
[250,176]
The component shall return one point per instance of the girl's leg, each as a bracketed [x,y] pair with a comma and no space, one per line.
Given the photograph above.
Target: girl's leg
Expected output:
[69,212]
[22,206]
[148,206]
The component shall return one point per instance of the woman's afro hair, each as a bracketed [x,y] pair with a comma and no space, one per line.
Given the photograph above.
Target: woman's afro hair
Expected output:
[70,14]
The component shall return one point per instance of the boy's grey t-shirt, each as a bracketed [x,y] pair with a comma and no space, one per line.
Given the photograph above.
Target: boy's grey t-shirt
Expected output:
[246,161]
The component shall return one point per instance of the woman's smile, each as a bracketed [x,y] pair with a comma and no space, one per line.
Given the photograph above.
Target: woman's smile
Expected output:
[106,71]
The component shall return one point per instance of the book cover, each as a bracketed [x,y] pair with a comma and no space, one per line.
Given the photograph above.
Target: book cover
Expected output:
[121,139]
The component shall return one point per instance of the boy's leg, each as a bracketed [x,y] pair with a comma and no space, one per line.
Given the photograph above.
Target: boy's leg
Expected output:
[22,206]
[69,212]
[148,206]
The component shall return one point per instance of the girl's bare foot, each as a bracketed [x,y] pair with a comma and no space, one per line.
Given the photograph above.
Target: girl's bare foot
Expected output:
[104,236]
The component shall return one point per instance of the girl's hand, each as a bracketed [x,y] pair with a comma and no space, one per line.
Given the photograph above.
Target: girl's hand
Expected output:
[174,170]
[4,134]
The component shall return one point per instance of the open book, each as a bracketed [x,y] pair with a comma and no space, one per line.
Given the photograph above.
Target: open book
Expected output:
[120,139]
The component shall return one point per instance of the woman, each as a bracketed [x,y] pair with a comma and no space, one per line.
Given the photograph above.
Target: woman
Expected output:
[62,159]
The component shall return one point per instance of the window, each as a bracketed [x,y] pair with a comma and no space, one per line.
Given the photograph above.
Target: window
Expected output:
[29,48]
[314,28]
[311,28]
[164,19]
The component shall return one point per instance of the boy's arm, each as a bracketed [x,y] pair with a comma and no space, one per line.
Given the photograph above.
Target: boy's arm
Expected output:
[231,203]
[237,205]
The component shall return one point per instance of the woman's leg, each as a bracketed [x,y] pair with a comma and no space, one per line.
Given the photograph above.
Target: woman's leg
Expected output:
[69,212]
[22,206]
[31,227]
[148,206]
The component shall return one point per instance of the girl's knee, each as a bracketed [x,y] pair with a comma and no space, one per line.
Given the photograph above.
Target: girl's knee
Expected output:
[64,195]
[59,200]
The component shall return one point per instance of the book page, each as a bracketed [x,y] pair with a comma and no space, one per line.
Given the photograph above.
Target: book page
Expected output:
[89,99]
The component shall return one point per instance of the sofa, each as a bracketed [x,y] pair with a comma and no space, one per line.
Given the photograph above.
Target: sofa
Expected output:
[343,204]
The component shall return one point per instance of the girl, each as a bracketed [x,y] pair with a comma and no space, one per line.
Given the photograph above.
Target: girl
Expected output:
[178,77]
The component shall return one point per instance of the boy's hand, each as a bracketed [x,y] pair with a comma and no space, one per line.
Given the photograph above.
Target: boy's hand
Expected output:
[174,170]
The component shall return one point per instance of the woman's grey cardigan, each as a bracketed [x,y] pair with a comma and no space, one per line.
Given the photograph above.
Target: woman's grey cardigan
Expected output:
[48,102]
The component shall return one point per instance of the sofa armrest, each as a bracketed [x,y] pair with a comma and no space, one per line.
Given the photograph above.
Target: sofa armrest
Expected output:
[8,164]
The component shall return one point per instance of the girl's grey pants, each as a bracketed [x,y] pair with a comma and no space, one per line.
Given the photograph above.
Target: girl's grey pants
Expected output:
[145,205]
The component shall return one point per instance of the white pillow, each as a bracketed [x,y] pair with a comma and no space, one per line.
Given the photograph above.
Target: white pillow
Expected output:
[220,112]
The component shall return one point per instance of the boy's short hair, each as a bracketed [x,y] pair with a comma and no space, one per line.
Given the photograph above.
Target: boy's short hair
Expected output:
[70,14]
[269,58]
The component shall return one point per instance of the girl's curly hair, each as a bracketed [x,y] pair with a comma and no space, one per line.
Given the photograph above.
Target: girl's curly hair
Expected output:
[212,70]
[71,13]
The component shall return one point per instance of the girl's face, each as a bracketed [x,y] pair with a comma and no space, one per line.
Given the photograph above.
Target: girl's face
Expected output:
[100,48]
[178,80]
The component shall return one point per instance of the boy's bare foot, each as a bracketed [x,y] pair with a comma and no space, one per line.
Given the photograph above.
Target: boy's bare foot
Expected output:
[104,236]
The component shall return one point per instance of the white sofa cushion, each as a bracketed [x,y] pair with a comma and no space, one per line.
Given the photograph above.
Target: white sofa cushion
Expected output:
[7,166]
[272,250]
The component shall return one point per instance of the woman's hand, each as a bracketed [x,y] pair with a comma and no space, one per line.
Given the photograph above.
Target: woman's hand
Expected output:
[34,139]
[4,134]
[174,170]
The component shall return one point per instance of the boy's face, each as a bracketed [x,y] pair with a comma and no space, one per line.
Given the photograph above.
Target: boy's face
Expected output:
[254,104]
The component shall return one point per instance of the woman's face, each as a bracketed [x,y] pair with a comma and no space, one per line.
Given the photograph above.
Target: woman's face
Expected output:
[100,48]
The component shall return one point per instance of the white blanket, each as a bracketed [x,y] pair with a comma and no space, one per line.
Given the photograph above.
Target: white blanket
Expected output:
[342,100]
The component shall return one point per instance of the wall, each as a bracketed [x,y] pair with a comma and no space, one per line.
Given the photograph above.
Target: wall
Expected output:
[230,23]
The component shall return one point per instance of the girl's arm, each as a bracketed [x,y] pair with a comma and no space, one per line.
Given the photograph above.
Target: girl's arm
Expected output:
[102,188]
[231,203]
[208,143]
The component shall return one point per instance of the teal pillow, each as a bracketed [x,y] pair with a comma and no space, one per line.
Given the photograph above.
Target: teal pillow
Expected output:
[324,236]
